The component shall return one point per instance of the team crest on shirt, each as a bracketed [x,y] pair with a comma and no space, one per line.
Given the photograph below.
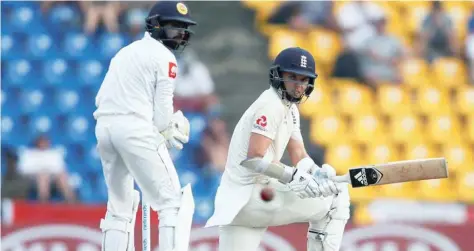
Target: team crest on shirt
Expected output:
[261,123]
[172,70]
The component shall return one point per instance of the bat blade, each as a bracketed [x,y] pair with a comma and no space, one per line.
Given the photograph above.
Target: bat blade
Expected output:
[396,172]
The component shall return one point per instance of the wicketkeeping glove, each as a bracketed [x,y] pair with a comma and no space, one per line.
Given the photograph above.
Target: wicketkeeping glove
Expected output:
[177,132]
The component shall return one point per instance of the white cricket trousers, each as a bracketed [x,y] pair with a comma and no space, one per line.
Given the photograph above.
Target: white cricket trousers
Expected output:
[132,149]
[247,229]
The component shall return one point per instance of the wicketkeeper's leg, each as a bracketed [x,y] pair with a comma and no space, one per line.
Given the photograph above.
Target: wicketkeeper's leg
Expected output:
[122,205]
[155,174]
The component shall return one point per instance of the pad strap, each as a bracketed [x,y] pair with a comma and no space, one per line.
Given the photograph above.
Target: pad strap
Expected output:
[108,224]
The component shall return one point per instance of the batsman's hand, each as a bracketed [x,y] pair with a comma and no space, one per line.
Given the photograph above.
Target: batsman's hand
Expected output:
[304,185]
[323,177]
[177,133]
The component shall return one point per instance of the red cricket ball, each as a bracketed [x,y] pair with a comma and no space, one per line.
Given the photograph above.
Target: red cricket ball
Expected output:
[267,194]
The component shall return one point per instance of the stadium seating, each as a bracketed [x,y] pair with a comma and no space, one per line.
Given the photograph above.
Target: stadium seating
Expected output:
[420,118]
[51,73]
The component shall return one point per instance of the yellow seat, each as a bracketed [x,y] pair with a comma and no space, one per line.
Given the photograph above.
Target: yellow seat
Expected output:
[263,9]
[319,100]
[420,150]
[268,29]
[464,101]
[381,152]
[416,13]
[406,127]
[406,190]
[469,129]
[367,127]
[353,98]
[459,15]
[465,187]
[449,72]
[364,194]
[460,157]
[431,100]
[443,128]
[343,156]
[283,39]
[325,45]
[395,24]
[415,72]
[392,99]
[438,190]
[327,128]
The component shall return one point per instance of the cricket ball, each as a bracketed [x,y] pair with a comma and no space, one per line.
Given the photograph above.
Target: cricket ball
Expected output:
[267,194]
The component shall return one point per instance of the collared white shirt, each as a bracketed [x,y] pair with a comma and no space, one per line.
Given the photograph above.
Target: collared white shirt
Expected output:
[271,117]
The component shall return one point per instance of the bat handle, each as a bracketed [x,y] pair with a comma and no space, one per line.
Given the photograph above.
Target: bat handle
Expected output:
[342,178]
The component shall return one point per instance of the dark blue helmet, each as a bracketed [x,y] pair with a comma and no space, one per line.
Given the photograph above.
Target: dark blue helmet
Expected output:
[169,21]
[294,60]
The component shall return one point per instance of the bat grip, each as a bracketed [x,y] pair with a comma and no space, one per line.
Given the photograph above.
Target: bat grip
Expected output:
[342,178]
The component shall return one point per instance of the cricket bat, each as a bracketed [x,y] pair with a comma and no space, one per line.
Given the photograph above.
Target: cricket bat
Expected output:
[395,172]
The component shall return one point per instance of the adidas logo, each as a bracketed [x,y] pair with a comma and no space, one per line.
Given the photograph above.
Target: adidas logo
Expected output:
[361,177]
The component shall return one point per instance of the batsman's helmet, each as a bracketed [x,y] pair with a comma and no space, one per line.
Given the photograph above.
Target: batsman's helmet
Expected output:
[294,60]
[169,21]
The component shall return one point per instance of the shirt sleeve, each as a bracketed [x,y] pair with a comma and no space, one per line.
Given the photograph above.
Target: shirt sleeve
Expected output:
[267,120]
[296,133]
[164,89]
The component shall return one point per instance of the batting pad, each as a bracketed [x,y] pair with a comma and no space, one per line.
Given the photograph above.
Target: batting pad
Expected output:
[185,219]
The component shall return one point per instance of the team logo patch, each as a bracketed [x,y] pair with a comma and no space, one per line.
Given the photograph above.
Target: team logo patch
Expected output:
[304,61]
[182,9]
[172,70]
[262,121]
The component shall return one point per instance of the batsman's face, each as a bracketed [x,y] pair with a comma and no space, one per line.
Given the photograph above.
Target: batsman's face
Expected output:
[295,84]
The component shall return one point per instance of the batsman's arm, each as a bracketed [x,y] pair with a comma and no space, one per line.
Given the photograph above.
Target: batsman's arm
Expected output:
[299,157]
[258,145]
[296,150]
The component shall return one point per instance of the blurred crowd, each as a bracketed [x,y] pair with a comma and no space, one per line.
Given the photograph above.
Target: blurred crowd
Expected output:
[40,171]
[396,82]
[373,45]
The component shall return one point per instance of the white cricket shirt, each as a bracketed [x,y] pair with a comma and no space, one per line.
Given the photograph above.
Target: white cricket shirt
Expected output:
[140,81]
[271,117]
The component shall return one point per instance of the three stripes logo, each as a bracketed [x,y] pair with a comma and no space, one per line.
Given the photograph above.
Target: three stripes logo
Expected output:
[362,177]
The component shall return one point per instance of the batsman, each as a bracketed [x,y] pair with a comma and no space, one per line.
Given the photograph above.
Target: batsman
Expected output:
[304,192]
[135,128]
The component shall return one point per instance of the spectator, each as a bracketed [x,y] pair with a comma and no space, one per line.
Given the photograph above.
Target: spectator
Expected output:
[215,144]
[42,163]
[381,57]
[95,11]
[302,16]
[194,90]
[355,20]
[470,46]
[437,38]
[14,185]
